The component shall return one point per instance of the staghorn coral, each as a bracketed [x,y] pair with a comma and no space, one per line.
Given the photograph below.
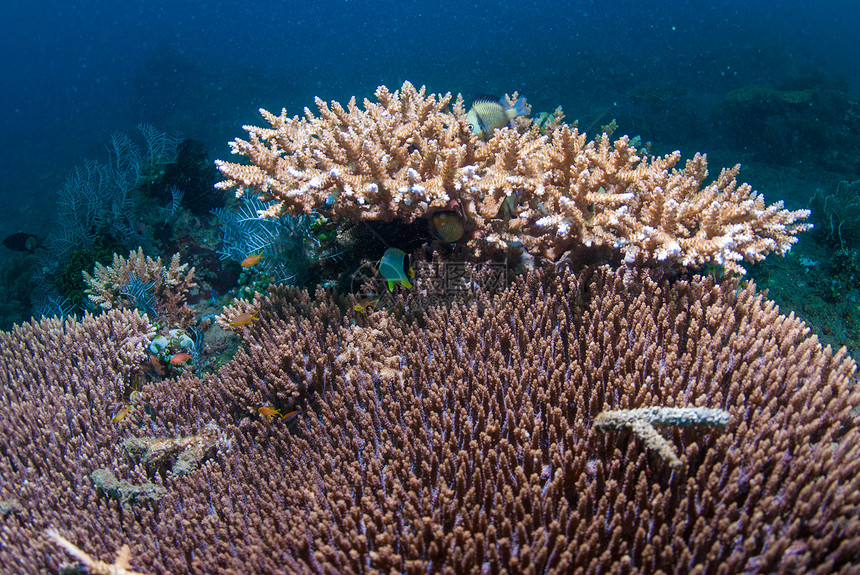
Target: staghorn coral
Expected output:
[462,441]
[289,354]
[408,155]
[140,282]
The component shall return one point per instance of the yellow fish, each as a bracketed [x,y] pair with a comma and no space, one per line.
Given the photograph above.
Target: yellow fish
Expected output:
[489,113]
[120,415]
[447,225]
[365,303]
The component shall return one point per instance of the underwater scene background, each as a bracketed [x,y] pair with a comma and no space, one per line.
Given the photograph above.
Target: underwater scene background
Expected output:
[294,393]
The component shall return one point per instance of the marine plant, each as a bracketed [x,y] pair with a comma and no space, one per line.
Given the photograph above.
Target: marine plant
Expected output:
[838,213]
[97,199]
[285,242]
[66,283]
[96,212]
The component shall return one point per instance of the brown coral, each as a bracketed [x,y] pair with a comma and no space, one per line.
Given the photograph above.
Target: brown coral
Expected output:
[408,155]
[461,441]
[140,282]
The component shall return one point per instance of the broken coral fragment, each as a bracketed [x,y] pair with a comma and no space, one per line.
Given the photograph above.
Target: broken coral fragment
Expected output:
[106,482]
[183,455]
[120,566]
[642,421]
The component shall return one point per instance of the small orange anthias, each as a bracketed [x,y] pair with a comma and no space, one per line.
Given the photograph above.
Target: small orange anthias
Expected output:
[252,260]
[244,319]
[180,358]
[270,412]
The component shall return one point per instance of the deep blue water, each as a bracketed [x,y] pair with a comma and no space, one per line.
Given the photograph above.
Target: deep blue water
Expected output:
[75,72]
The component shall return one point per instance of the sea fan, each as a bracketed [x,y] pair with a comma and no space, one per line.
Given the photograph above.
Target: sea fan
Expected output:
[138,293]
[284,240]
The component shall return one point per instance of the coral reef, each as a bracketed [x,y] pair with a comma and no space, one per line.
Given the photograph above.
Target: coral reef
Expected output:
[142,283]
[102,209]
[409,155]
[120,566]
[458,440]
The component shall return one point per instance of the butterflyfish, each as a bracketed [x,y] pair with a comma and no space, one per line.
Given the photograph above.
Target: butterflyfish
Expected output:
[489,113]
[447,225]
[394,267]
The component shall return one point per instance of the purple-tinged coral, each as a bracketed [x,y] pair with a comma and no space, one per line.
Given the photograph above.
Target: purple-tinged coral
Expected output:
[459,441]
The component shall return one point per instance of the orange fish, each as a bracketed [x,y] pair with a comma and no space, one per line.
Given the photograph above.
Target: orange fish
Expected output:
[244,319]
[120,415]
[252,260]
[290,415]
[269,411]
[179,358]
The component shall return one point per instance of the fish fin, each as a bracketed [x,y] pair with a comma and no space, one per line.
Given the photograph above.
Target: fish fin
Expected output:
[520,108]
[486,98]
[390,285]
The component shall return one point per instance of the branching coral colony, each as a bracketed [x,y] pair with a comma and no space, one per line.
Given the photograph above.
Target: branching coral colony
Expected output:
[409,155]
